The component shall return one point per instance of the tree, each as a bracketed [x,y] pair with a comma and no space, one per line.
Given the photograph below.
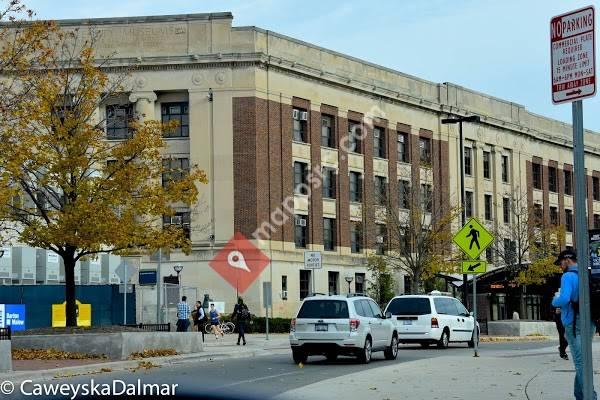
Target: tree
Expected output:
[70,190]
[381,280]
[419,233]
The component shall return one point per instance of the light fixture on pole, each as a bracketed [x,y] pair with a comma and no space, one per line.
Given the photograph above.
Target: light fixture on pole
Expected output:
[178,268]
[349,279]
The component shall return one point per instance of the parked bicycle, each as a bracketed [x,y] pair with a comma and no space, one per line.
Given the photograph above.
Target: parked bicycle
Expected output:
[226,327]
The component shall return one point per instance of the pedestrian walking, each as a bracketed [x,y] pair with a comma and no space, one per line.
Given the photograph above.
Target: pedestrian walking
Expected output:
[183,315]
[565,299]
[562,346]
[199,316]
[241,314]
[215,321]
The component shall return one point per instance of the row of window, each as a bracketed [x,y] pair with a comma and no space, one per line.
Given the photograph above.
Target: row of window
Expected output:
[333,283]
[538,177]
[119,117]
[487,165]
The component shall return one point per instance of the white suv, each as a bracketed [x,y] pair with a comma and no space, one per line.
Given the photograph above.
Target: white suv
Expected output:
[339,325]
[432,319]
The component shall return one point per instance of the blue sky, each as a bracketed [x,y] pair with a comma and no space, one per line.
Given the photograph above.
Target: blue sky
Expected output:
[496,47]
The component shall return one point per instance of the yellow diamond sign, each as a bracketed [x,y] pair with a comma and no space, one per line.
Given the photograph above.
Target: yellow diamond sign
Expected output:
[473,267]
[473,238]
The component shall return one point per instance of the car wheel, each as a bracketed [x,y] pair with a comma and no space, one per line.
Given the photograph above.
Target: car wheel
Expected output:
[331,356]
[392,352]
[364,355]
[472,341]
[424,345]
[299,356]
[444,340]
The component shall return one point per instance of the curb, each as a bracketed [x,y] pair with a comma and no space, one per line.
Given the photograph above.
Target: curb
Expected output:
[107,367]
[496,339]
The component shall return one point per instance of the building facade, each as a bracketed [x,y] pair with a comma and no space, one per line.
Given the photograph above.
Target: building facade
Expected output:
[268,118]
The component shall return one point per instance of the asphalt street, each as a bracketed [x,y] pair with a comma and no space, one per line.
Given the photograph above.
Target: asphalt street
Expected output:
[271,375]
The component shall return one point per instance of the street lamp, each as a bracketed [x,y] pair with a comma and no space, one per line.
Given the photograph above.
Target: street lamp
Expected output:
[349,279]
[459,120]
[178,268]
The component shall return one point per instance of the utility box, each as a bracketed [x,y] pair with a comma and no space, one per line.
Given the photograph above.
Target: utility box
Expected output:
[47,266]
[6,266]
[63,275]
[110,263]
[24,264]
[91,272]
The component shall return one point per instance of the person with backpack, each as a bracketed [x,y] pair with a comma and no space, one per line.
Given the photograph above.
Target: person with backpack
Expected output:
[567,299]
[242,315]
[199,317]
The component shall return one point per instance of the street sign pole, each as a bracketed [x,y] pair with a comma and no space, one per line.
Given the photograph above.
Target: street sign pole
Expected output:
[475,331]
[125,297]
[581,232]
[158,288]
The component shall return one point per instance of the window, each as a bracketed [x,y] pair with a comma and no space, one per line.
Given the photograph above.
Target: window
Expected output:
[425,150]
[333,279]
[301,231]
[359,283]
[180,220]
[300,178]
[568,182]
[410,306]
[329,183]
[403,147]
[504,168]
[404,194]
[554,216]
[487,171]
[117,121]
[510,251]
[426,197]
[552,180]
[299,124]
[489,255]
[355,186]
[363,309]
[596,221]
[176,112]
[174,169]
[537,176]
[284,287]
[596,188]
[379,142]
[468,153]
[354,137]
[538,214]
[329,239]
[445,305]
[506,210]
[469,204]
[488,207]
[305,286]
[327,131]
[380,190]
[356,237]
[374,309]
[380,239]
[569,220]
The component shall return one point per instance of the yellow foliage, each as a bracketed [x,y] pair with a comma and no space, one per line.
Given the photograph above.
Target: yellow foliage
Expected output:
[52,354]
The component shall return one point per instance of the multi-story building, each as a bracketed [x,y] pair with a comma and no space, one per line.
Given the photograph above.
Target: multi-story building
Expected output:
[260,111]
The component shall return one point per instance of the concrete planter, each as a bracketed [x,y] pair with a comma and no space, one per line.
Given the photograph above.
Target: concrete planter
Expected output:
[117,346]
[5,356]
[522,328]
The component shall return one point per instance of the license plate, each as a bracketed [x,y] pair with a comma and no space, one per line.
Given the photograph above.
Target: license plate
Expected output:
[321,327]
[407,322]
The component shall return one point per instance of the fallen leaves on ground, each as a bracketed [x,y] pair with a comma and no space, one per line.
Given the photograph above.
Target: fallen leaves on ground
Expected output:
[153,353]
[52,354]
[144,365]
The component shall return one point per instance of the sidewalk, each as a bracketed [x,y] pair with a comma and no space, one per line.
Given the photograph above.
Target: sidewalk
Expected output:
[534,375]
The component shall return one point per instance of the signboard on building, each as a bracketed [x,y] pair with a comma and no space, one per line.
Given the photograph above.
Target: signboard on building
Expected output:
[573,59]
[312,260]
[595,251]
[12,315]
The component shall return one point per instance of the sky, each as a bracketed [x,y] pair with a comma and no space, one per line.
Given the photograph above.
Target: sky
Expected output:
[500,48]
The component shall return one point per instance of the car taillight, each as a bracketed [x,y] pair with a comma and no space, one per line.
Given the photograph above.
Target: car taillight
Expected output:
[354,323]
[293,325]
[434,323]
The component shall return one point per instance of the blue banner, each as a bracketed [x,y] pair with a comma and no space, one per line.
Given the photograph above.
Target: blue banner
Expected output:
[12,315]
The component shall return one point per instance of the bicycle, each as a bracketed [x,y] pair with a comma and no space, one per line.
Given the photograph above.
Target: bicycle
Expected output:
[226,327]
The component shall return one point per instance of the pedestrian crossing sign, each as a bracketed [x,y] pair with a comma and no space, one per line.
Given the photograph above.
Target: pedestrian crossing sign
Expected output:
[473,267]
[473,238]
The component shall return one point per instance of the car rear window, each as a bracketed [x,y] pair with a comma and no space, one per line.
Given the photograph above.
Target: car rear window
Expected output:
[324,309]
[409,306]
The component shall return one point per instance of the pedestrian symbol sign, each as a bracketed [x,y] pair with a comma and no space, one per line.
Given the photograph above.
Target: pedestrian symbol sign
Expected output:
[473,238]
[473,267]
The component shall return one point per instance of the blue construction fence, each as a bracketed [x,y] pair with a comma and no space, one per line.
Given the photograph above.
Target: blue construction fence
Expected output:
[106,301]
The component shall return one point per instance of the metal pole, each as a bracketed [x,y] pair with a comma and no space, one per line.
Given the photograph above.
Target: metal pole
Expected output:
[158,286]
[475,331]
[267,321]
[581,232]
[462,200]
[125,295]
[312,275]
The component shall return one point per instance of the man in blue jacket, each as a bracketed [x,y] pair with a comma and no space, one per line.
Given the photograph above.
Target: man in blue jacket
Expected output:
[569,294]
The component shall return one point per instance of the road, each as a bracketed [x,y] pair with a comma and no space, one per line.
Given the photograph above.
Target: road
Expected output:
[274,374]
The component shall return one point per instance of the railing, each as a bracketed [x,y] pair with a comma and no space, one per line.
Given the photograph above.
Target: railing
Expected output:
[5,333]
[152,327]
[483,326]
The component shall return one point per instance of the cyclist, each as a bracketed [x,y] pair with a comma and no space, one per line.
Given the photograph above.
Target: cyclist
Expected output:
[215,318]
